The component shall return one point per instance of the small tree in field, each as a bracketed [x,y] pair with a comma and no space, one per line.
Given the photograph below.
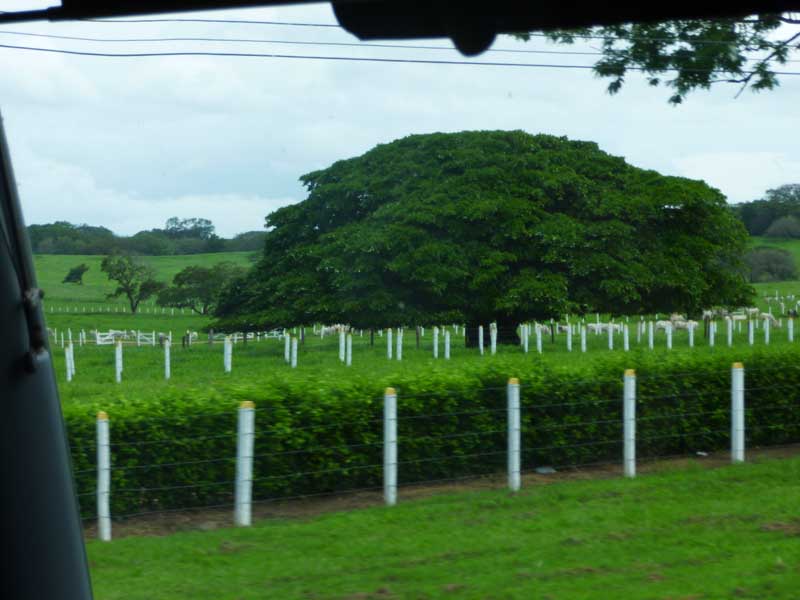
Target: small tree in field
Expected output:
[135,281]
[198,288]
[75,274]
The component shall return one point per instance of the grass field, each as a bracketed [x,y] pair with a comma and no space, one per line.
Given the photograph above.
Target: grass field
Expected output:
[689,533]
[51,270]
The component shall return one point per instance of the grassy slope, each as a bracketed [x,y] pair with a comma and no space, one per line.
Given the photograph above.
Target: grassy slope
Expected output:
[728,533]
[51,270]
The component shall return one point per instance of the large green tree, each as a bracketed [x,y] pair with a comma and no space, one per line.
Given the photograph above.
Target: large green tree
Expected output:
[687,55]
[489,225]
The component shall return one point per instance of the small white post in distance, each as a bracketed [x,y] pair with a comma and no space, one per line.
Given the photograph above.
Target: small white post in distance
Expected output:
[625,338]
[712,333]
[737,412]
[729,332]
[103,478]
[514,435]
[447,345]
[435,342]
[538,338]
[480,339]
[348,355]
[583,338]
[287,347]
[294,352]
[750,332]
[118,361]
[244,464]
[629,423]
[493,339]
[342,344]
[389,348]
[167,365]
[690,329]
[569,338]
[669,336]
[390,446]
[790,329]
[650,335]
[766,331]
[525,329]
[610,336]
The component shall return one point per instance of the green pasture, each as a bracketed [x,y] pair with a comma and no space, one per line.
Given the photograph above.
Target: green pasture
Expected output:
[678,533]
[52,268]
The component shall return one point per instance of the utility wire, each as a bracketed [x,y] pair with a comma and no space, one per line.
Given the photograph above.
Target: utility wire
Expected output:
[305,43]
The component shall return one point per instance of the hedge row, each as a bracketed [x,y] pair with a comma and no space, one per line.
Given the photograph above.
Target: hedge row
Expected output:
[177,450]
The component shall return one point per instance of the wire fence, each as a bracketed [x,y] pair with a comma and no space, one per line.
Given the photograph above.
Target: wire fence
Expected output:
[252,457]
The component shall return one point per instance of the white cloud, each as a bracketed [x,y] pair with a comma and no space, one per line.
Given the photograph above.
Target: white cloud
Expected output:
[745,175]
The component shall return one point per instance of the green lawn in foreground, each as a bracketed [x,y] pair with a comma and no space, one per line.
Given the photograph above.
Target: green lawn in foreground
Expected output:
[733,532]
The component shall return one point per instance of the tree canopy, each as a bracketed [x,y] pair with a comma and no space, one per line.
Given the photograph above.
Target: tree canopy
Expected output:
[489,225]
[688,55]
[197,288]
[75,274]
[759,215]
[134,280]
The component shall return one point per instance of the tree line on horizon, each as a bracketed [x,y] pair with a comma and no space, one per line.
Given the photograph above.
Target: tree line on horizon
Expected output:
[177,237]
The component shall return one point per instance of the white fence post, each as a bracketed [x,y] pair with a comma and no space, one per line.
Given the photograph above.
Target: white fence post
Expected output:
[294,352]
[650,334]
[447,345]
[737,412]
[514,429]
[583,338]
[525,329]
[436,342]
[389,343]
[244,464]
[480,339]
[712,333]
[348,355]
[569,338]
[493,339]
[790,328]
[390,446]
[729,326]
[766,331]
[118,361]
[538,338]
[690,329]
[167,365]
[399,350]
[103,478]
[287,347]
[227,354]
[610,336]
[625,338]
[629,422]
[750,332]
[342,344]
[669,336]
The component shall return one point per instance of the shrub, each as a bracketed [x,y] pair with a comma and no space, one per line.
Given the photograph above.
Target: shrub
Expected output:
[770,264]
[316,439]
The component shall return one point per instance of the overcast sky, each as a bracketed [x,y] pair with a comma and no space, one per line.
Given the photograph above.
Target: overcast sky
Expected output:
[128,143]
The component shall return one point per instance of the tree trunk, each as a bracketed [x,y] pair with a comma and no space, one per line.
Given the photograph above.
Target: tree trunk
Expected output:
[506,334]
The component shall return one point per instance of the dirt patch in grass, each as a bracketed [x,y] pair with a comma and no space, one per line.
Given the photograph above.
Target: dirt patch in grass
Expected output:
[205,519]
[788,528]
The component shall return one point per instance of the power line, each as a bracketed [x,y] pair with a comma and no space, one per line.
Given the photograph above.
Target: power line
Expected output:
[338,58]
[303,43]
[337,26]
